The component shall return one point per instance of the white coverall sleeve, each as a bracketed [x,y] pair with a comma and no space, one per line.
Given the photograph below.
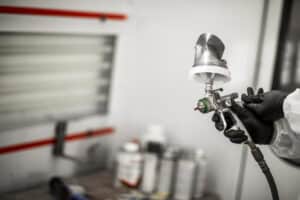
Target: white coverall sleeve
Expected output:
[286,141]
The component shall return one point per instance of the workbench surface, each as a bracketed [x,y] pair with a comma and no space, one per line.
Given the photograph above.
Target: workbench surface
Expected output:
[99,186]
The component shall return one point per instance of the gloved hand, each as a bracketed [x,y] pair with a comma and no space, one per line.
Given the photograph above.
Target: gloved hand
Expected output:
[267,106]
[261,132]
[235,136]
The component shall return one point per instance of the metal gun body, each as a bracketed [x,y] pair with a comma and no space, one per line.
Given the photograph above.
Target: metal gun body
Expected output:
[215,102]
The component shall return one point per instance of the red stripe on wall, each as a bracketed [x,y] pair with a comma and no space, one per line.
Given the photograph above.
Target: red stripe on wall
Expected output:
[61,13]
[50,141]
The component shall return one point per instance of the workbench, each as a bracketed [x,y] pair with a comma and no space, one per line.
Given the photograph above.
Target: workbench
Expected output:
[99,186]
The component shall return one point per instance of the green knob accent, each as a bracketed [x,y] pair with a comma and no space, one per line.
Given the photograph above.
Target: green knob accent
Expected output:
[204,105]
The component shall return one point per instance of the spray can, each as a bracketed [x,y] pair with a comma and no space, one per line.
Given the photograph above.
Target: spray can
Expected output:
[200,174]
[149,173]
[185,176]
[167,172]
[151,164]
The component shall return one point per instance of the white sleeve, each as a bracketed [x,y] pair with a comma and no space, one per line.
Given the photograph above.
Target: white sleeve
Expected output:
[286,141]
[291,110]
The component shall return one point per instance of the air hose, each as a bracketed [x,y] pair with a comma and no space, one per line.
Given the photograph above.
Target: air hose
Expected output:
[259,158]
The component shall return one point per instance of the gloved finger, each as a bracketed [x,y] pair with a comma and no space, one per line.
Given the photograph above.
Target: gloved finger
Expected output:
[219,126]
[260,91]
[250,91]
[241,112]
[229,118]
[245,98]
[251,99]
[239,140]
[234,133]
[218,122]
[215,117]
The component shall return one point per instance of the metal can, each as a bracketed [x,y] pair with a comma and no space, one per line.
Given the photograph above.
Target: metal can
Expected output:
[201,174]
[149,173]
[167,172]
[185,176]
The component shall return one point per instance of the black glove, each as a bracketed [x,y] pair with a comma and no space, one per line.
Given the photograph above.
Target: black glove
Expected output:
[267,106]
[261,132]
[235,136]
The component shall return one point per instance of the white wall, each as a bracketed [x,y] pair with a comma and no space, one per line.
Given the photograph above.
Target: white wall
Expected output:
[154,58]
[27,168]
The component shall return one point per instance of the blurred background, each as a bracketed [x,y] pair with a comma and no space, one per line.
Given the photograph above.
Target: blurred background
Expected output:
[78,79]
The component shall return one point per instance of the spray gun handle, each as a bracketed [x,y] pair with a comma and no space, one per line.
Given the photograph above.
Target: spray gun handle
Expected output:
[228,119]
[233,124]
[223,125]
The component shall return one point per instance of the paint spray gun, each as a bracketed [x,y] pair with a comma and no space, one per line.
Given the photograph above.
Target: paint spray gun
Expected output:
[209,68]
[217,103]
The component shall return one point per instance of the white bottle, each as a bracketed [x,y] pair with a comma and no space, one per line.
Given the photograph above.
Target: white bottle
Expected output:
[129,165]
[200,174]
[154,133]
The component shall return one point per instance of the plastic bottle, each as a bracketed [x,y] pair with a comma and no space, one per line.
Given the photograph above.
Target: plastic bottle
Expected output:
[156,134]
[129,165]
